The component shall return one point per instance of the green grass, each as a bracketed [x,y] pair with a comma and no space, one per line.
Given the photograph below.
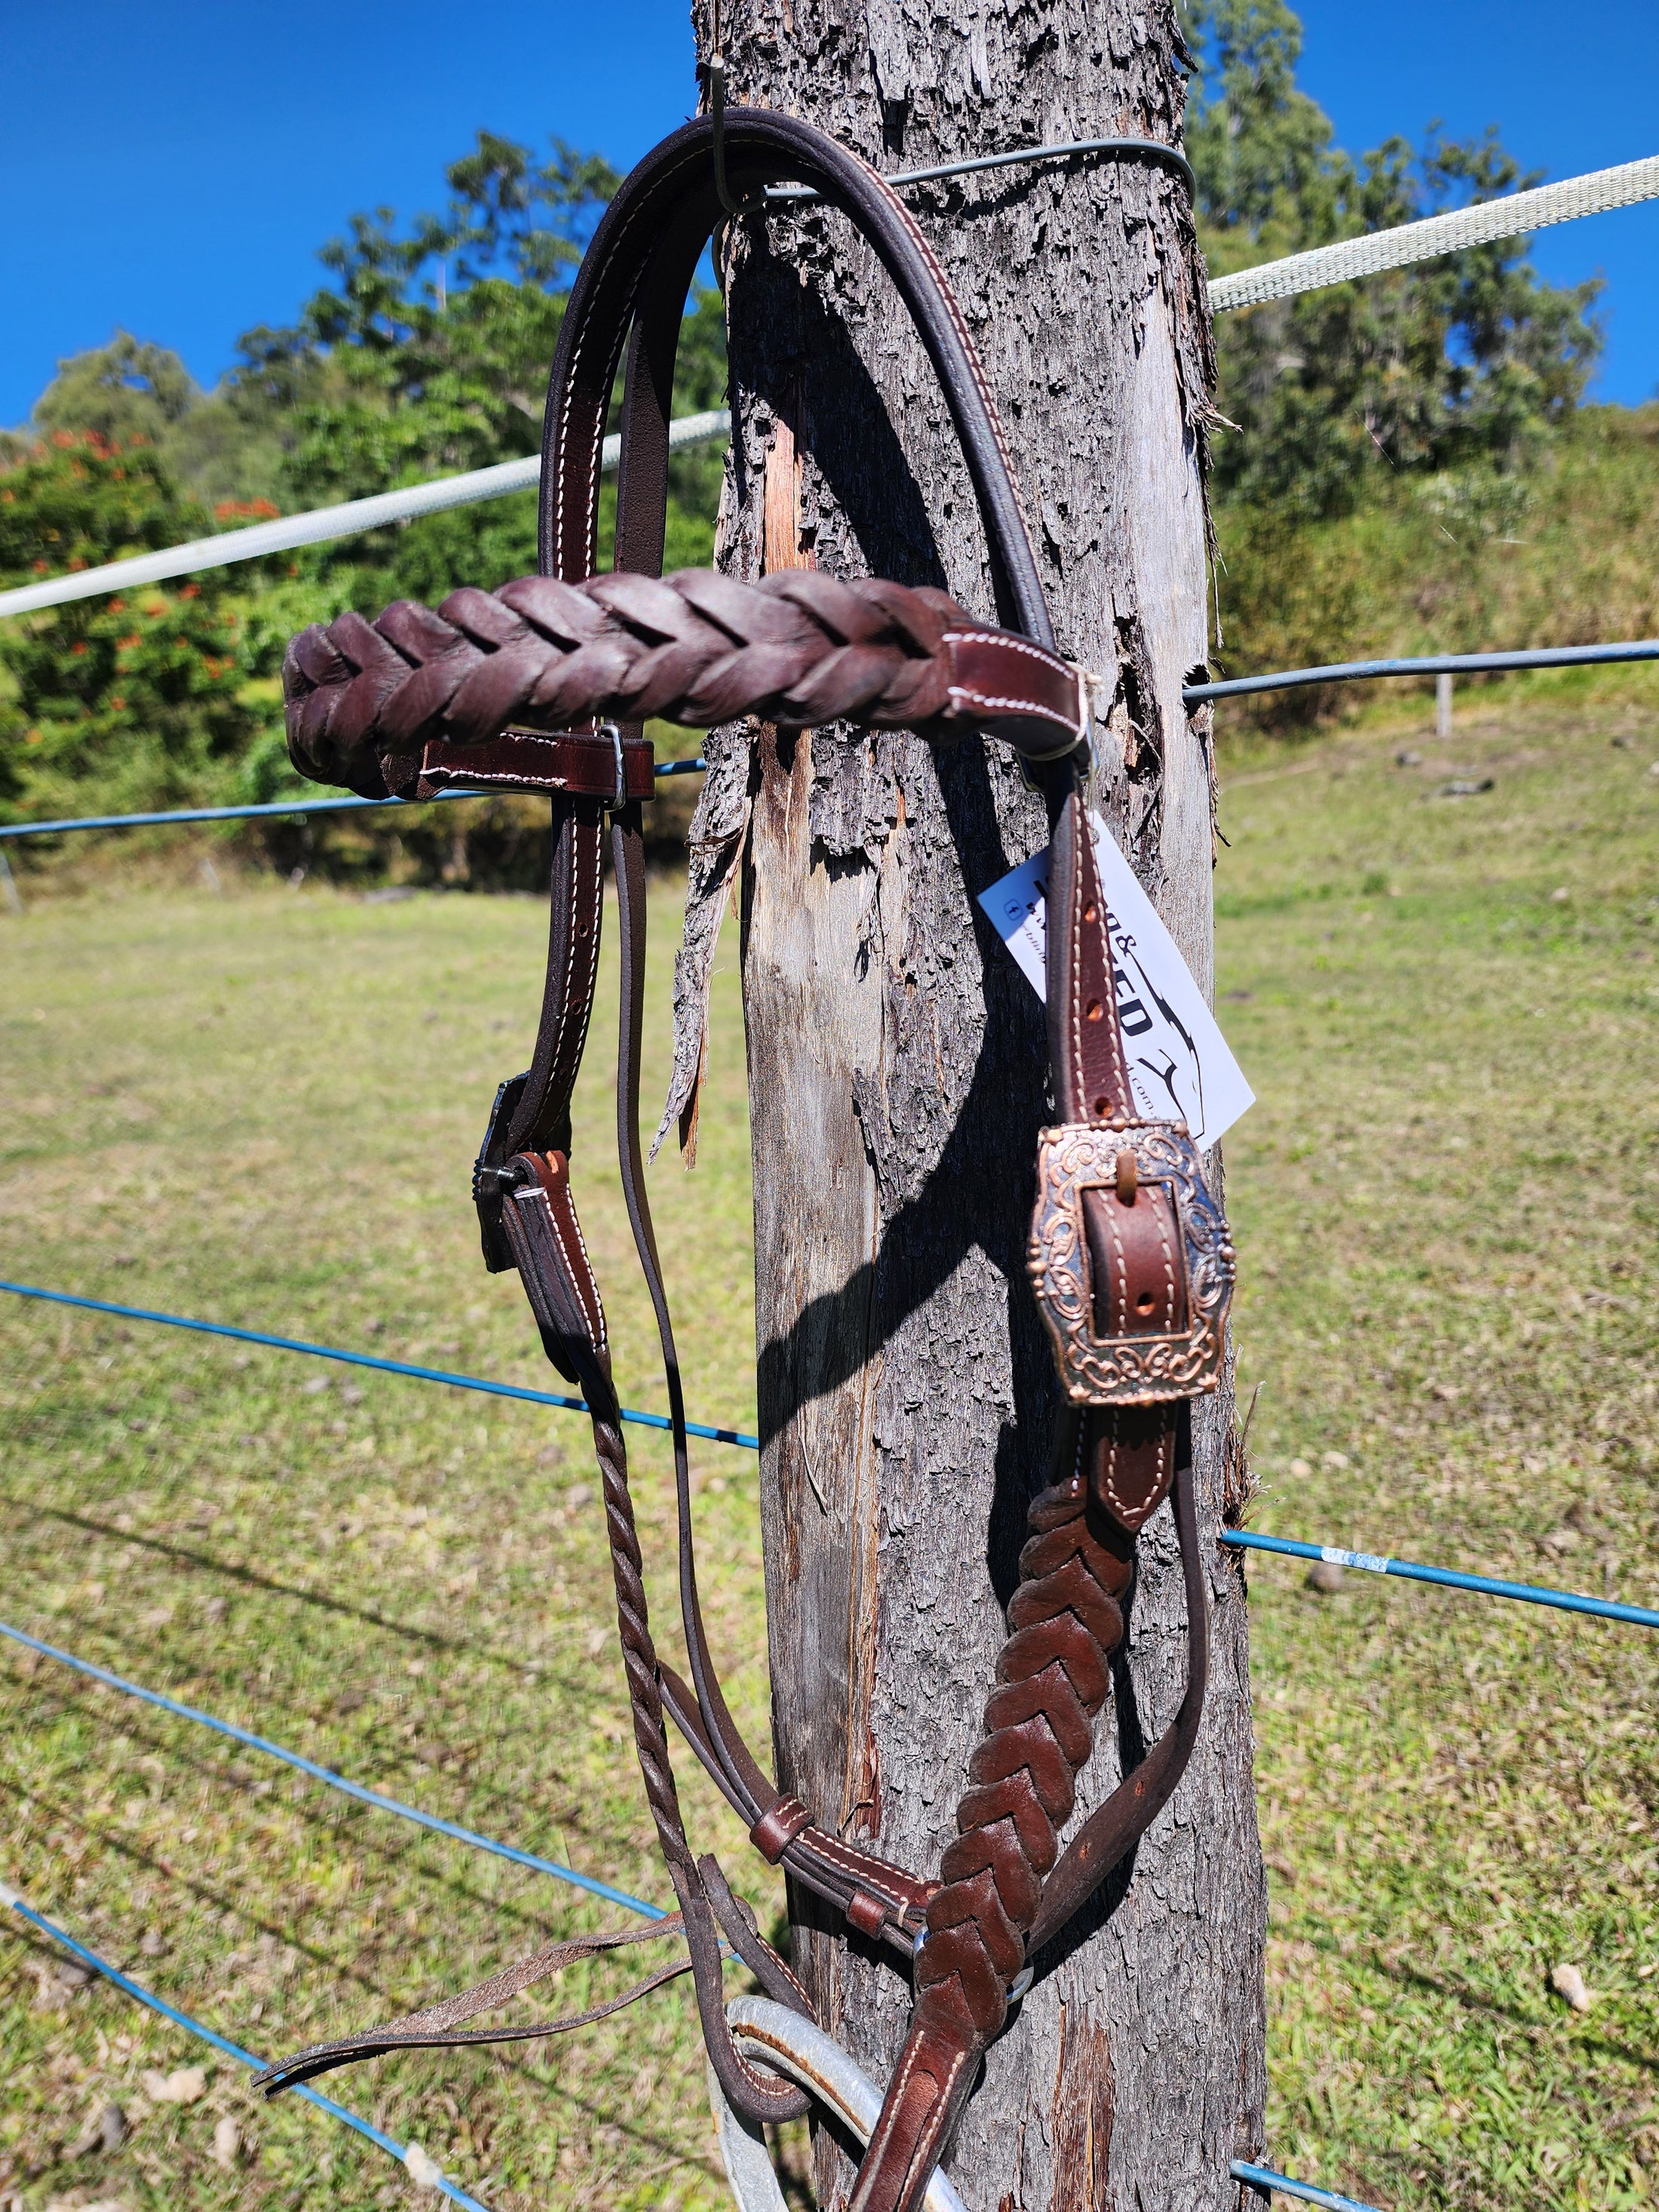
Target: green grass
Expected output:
[262,1106]
[1446,1202]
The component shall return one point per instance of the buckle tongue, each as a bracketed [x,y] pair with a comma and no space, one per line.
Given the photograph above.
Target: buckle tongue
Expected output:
[1123,1157]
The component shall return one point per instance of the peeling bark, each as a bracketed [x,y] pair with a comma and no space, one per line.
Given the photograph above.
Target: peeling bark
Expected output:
[897,1061]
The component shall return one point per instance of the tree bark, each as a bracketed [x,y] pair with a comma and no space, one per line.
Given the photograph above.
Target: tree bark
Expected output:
[896,1058]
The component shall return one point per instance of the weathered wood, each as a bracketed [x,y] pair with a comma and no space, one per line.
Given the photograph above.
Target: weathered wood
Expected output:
[895,1056]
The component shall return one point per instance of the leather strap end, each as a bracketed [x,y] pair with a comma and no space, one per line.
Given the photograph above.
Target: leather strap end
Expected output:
[547,1248]
[866,1913]
[1018,691]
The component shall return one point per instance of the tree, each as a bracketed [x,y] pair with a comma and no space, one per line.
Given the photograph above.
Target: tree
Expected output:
[139,693]
[1466,361]
[896,1058]
[127,390]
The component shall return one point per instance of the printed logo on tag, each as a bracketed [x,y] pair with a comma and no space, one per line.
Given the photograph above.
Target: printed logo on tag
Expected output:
[1179,1066]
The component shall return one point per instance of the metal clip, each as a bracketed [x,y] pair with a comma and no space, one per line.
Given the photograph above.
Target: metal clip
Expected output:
[609,729]
[716,73]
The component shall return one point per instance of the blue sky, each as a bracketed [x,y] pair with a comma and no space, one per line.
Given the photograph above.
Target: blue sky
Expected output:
[173,169]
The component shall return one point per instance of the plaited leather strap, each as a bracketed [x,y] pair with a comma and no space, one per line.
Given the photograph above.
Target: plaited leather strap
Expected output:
[800,648]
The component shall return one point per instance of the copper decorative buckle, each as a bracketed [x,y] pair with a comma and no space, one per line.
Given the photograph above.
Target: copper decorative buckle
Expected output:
[1128,1370]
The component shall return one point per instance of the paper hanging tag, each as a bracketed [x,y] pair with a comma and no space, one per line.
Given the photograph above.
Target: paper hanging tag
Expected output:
[1180,1066]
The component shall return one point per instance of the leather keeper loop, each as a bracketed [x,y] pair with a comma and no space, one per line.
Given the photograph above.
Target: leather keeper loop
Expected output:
[774,1833]
[575,763]
[866,1913]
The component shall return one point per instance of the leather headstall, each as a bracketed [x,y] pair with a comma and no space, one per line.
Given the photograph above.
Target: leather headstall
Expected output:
[543,686]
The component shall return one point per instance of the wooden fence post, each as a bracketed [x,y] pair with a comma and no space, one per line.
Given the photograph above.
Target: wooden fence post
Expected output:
[896,1061]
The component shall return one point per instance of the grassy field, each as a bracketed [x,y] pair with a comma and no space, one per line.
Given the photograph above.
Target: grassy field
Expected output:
[260,1105]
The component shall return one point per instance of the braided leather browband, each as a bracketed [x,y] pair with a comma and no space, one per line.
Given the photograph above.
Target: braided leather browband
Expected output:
[1129,1259]
[800,649]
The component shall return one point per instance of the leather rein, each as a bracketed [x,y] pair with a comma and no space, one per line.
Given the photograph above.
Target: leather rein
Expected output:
[1130,1259]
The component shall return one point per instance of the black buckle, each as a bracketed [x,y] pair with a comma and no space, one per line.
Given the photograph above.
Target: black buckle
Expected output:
[492,1179]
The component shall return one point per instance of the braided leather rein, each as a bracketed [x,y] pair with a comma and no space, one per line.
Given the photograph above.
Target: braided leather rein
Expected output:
[1130,1260]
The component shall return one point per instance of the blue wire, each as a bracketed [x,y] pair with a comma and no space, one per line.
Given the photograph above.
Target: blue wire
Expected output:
[1263,2177]
[296,809]
[1638,1616]
[383,1366]
[381,1804]
[222,2043]
[1433,663]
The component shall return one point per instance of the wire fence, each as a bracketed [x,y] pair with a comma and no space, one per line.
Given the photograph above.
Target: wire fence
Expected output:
[1265,2179]
[292,810]
[376,1800]
[321,526]
[1340,263]
[411,2155]
[1241,1539]
[403,1367]
[1192,695]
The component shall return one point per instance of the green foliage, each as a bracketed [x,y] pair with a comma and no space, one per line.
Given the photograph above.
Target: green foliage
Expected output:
[427,355]
[1463,360]
[137,697]
[1460,559]
[125,392]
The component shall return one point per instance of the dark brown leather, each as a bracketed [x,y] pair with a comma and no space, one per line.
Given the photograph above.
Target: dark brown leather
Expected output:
[521,760]
[778,1828]
[798,649]
[435,2027]
[412,698]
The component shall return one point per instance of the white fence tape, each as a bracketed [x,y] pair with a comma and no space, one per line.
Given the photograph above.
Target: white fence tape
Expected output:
[1624,186]
[323,523]
[1439,233]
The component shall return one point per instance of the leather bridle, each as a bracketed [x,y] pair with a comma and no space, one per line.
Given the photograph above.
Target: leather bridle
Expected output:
[1130,1259]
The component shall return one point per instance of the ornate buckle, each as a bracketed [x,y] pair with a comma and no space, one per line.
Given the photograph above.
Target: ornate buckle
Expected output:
[1128,1370]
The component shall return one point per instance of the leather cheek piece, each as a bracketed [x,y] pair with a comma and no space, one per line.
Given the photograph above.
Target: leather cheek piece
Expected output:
[541,1228]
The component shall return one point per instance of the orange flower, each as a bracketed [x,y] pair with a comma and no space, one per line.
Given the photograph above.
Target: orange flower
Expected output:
[126,644]
[78,647]
[189,592]
[117,606]
[118,703]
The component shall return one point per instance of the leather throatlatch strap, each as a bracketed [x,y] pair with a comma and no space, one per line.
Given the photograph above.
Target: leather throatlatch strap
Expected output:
[483,693]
